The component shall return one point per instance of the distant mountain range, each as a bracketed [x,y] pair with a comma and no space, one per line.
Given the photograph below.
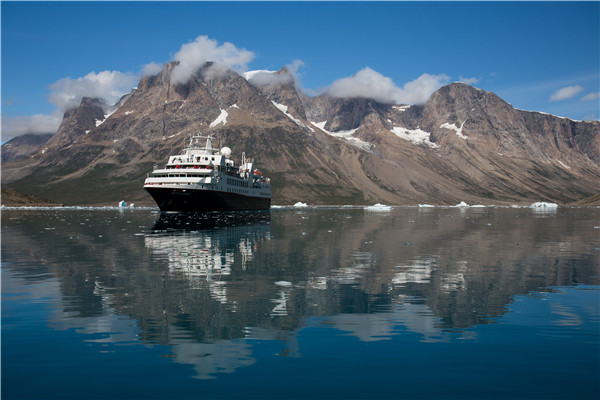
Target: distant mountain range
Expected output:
[463,144]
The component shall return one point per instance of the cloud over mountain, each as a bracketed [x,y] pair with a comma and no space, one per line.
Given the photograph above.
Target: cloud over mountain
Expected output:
[368,83]
[22,124]
[108,85]
[266,77]
[66,94]
[193,55]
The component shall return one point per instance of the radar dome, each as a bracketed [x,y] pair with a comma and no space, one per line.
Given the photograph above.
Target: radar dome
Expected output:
[226,151]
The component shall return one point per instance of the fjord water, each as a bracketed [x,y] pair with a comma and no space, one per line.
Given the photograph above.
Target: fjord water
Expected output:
[337,303]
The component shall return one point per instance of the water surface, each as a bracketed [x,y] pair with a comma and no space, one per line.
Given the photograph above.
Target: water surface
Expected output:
[343,303]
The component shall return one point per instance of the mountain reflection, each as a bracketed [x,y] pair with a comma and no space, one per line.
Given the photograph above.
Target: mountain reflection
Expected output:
[209,284]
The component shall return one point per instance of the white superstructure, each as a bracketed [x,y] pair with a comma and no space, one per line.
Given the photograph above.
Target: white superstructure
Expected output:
[204,178]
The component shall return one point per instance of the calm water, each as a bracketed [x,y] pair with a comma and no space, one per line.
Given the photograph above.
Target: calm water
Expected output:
[342,303]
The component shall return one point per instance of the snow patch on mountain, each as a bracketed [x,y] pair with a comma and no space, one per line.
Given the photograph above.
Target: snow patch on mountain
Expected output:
[564,165]
[248,75]
[346,136]
[222,118]
[454,128]
[284,109]
[416,136]
[110,112]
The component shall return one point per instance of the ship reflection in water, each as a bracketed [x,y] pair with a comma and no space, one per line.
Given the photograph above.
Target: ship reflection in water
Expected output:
[205,246]
[375,299]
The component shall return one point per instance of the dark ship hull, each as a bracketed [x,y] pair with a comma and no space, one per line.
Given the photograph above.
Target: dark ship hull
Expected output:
[205,200]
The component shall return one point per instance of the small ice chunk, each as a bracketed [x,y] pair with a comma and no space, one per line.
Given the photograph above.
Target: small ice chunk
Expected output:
[283,283]
[543,204]
[379,207]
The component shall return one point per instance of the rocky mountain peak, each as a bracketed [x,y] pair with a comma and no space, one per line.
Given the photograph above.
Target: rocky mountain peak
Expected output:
[281,89]
[462,144]
[79,121]
[282,71]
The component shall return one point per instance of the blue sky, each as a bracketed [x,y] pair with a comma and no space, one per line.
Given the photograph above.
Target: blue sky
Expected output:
[541,56]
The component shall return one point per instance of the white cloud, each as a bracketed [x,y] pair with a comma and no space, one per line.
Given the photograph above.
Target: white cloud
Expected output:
[193,55]
[419,90]
[365,83]
[108,85]
[566,93]
[265,77]
[371,84]
[469,81]
[151,69]
[591,96]
[39,123]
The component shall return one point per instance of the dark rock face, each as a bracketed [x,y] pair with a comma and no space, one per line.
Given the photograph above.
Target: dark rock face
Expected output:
[463,144]
[79,121]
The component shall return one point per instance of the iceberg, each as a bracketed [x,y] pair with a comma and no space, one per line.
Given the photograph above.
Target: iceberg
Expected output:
[543,204]
[462,204]
[122,204]
[300,204]
[378,207]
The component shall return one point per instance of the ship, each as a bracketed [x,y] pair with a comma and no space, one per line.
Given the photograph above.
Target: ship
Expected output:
[204,178]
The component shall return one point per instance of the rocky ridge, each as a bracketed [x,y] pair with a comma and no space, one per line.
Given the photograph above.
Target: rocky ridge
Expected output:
[23,146]
[462,144]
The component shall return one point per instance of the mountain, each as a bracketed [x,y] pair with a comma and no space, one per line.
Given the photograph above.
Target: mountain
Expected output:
[464,144]
[23,146]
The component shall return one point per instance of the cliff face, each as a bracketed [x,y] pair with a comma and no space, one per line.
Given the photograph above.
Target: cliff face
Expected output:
[463,144]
